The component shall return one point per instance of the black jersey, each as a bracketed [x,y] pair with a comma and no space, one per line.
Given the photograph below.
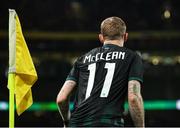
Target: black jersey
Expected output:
[102,77]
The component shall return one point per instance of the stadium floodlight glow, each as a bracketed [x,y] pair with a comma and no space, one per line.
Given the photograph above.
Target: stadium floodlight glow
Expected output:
[160,105]
[167,14]
[178,104]
[52,106]
[156,60]
[4,106]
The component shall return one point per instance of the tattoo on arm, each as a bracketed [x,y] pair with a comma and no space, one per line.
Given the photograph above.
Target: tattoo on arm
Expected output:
[136,103]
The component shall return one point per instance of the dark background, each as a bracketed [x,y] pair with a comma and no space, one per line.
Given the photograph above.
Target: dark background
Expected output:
[58,31]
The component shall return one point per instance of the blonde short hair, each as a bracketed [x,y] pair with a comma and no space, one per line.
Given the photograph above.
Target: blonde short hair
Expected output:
[113,28]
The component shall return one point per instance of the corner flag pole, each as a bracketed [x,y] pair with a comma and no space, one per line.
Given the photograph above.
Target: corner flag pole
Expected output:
[11,75]
[11,80]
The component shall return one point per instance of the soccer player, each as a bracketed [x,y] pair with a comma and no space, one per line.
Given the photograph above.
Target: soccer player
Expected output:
[104,77]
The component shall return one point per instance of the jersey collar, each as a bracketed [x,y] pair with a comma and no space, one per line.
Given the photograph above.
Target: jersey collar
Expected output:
[111,46]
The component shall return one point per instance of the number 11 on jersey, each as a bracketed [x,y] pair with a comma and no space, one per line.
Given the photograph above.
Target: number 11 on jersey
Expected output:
[107,82]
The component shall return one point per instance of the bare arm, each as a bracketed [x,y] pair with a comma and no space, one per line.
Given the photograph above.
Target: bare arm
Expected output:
[136,103]
[63,99]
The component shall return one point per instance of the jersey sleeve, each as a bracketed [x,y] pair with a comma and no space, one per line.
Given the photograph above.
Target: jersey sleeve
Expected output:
[73,75]
[136,69]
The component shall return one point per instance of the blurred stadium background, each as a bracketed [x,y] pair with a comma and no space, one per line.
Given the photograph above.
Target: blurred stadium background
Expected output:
[58,31]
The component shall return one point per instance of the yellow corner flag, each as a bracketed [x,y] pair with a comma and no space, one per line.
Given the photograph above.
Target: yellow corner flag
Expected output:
[21,66]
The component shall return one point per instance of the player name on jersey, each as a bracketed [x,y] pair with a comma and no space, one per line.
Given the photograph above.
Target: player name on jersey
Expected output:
[104,56]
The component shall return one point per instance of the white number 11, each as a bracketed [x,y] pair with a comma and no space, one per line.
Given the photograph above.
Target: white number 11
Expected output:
[107,82]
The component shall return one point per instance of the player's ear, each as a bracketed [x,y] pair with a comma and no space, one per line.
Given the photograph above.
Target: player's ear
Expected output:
[101,38]
[125,37]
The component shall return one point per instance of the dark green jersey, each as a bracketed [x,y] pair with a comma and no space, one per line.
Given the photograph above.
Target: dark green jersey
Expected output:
[102,77]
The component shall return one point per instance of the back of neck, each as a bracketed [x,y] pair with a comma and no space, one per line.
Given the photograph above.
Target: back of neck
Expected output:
[119,43]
